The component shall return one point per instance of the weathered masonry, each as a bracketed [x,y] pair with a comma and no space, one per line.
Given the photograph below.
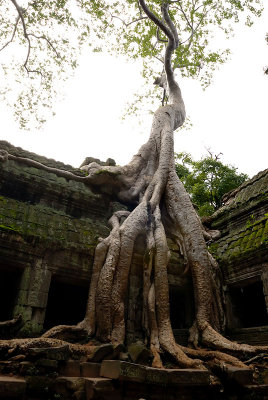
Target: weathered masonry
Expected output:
[48,231]
[243,256]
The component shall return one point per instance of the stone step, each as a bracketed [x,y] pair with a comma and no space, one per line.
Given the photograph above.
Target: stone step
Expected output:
[256,391]
[81,387]
[95,387]
[83,369]
[242,376]
[11,386]
[137,373]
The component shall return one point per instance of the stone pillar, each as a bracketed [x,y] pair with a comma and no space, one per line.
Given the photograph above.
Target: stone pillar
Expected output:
[232,322]
[264,278]
[32,297]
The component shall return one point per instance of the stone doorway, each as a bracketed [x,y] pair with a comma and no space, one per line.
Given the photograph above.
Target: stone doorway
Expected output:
[66,303]
[248,304]
[181,307]
[9,285]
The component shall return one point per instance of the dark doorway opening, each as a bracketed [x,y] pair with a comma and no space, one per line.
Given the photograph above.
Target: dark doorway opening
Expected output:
[9,286]
[181,308]
[66,304]
[249,305]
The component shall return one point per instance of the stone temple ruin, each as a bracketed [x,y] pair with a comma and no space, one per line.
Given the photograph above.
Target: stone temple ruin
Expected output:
[48,232]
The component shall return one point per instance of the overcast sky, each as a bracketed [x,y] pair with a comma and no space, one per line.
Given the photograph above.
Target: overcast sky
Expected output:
[231,116]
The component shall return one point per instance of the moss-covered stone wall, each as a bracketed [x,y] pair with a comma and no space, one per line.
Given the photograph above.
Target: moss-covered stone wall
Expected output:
[242,249]
[49,227]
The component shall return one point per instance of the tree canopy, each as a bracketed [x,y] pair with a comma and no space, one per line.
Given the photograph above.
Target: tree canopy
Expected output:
[40,42]
[207,180]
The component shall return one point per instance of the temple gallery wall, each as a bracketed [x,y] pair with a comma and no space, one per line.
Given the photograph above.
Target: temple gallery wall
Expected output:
[49,228]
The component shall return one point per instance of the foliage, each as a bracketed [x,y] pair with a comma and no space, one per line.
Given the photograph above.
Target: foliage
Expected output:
[41,40]
[207,180]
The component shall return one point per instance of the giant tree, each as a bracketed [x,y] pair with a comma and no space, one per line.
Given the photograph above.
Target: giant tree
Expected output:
[175,32]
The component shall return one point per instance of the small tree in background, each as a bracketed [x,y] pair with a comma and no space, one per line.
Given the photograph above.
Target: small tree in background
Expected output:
[207,180]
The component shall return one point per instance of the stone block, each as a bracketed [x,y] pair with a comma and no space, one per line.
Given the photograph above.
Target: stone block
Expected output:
[70,368]
[25,279]
[242,376]
[30,328]
[26,367]
[66,386]
[40,278]
[37,299]
[12,387]
[98,387]
[90,370]
[5,367]
[47,363]
[265,377]
[137,373]
[60,353]
[22,297]
[38,315]
[118,350]
[38,384]
[101,352]
[79,395]
[25,311]
[139,353]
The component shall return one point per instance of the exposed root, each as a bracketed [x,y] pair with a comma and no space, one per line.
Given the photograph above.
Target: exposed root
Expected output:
[211,358]
[258,357]
[69,333]
[213,339]
[10,348]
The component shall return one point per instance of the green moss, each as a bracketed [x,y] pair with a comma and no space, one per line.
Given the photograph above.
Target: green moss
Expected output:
[30,329]
[250,241]
[9,228]
[213,249]
[104,171]
[49,225]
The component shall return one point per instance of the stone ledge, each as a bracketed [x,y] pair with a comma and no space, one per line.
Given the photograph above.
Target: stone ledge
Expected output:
[90,370]
[242,376]
[11,387]
[136,373]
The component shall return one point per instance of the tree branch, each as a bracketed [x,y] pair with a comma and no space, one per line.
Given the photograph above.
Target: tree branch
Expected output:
[159,59]
[47,40]
[205,13]
[185,16]
[158,36]
[20,12]
[172,45]
[27,35]
[128,23]
[170,24]
[156,20]
[13,34]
